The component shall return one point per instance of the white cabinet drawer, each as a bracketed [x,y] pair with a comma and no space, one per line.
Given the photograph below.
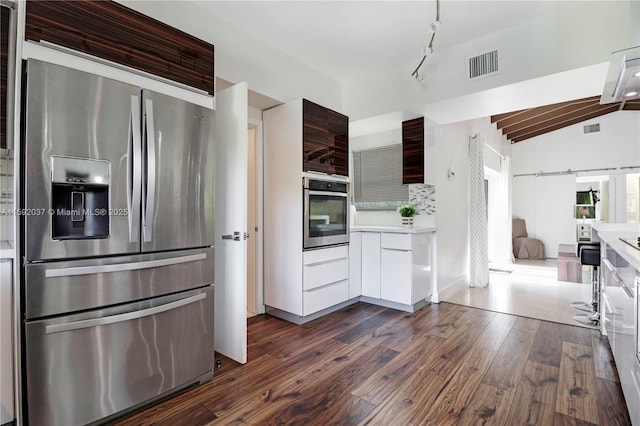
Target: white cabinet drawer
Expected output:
[325,297]
[396,241]
[322,255]
[319,274]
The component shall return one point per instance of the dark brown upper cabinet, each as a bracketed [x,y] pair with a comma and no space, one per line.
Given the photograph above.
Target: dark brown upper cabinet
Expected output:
[413,151]
[325,140]
[114,32]
[5,16]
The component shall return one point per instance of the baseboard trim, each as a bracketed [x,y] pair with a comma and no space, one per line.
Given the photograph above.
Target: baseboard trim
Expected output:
[395,305]
[450,289]
[299,320]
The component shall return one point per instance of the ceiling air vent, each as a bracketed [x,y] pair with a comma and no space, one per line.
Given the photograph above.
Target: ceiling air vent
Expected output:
[483,65]
[592,128]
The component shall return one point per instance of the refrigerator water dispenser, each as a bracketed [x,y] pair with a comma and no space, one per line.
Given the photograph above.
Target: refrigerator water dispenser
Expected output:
[79,198]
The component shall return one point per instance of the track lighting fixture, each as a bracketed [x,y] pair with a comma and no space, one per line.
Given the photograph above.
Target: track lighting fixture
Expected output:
[428,49]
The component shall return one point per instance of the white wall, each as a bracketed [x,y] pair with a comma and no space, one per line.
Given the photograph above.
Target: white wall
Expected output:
[569,148]
[452,206]
[546,203]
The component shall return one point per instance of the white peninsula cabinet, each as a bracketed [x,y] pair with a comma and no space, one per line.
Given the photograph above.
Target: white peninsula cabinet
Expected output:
[620,302]
[7,413]
[396,265]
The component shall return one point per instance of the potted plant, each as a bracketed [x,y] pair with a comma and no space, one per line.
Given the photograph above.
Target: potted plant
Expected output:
[407,211]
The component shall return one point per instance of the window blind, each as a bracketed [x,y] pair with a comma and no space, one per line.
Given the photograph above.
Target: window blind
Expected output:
[377,178]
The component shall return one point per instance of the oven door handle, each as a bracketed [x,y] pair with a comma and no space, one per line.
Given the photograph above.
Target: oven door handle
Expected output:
[78,325]
[335,194]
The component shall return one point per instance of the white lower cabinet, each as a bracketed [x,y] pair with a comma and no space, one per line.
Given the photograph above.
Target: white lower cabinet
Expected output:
[6,343]
[621,322]
[371,264]
[395,275]
[325,278]
[355,265]
[395,267]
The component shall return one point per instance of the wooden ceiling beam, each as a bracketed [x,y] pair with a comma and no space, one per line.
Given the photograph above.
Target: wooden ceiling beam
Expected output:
[633,105]
[523,136]
[554,117]
[531,113]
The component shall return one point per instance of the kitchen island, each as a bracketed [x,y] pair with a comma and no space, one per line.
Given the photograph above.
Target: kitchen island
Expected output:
[620,280]
[395,266]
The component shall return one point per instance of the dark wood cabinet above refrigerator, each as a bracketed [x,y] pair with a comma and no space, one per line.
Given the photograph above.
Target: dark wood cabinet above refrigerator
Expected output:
[413,151]
[114,32]
[325,139]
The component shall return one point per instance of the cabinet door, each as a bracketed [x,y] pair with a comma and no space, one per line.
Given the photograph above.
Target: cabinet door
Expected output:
[338,142]
[355,265]
[413,151]
[325,140]
[315,136]
[371,264]
[396,276]
[114,32]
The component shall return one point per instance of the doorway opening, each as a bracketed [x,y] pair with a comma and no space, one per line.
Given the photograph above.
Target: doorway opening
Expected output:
[255,303]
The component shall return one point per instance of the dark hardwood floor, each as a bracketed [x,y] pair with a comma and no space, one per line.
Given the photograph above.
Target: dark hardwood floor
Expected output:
[443,365]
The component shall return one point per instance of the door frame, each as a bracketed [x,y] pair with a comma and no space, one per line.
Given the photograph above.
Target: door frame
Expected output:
[258,147]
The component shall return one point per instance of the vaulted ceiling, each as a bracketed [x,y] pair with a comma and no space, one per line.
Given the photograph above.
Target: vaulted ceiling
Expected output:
[524,124]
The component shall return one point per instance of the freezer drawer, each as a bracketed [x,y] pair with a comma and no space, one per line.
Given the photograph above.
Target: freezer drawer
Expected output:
[55,288]
[82,368]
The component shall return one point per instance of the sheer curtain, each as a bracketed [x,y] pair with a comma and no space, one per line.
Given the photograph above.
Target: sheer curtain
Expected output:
[478,242]
[506,251]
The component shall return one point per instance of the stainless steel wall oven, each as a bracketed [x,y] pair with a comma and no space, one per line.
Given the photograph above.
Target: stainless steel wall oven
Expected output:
[326,212]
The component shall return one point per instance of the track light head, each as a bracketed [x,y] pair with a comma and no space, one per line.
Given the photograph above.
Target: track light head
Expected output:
[428,49]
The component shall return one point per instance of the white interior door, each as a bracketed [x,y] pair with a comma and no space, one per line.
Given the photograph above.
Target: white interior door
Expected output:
[555,199]
[230,218]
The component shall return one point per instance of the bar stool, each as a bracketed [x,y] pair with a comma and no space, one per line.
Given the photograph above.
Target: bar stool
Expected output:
[590,255]
[585,306]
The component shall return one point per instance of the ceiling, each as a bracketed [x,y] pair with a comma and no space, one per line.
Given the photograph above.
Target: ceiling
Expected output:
[521,125]
[348,39]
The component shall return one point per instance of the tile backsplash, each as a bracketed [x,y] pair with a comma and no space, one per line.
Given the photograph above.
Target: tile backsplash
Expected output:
[423,196]
[420,195]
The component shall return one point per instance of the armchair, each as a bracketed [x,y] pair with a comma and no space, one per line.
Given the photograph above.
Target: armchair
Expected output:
[523,246]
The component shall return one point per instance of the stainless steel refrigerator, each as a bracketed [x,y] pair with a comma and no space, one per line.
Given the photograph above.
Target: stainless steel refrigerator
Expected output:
[117,296]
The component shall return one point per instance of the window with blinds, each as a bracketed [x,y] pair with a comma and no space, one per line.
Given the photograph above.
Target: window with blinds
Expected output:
[377,178]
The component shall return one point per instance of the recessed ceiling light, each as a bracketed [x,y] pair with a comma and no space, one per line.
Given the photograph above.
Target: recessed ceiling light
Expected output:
[629,94]
[637,74]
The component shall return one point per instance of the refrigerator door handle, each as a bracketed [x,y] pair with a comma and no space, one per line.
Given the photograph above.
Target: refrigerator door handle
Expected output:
[134,170]
[77,325]
[122,267]
[150,186]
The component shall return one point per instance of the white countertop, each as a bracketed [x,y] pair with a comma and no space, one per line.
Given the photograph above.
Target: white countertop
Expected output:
[6,250]
[611,233]
[400,229]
